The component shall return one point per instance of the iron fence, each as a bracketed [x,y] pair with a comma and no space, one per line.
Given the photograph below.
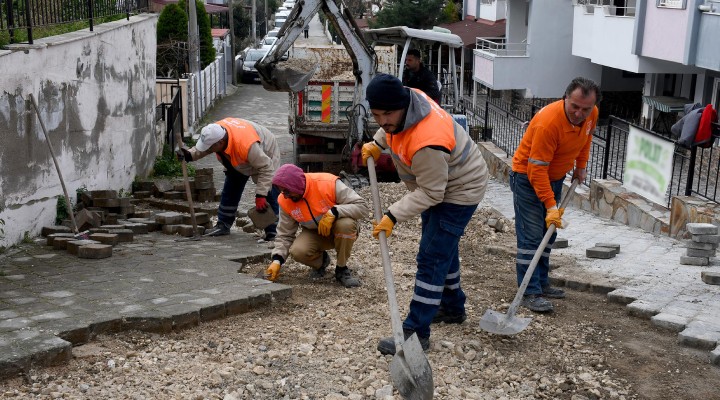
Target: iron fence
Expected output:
[170,111]
[696,171]
[30,14]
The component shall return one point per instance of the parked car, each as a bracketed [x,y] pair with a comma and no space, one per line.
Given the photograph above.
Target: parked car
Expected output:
[273,33]
[245,64]
[289,4]
[267,43]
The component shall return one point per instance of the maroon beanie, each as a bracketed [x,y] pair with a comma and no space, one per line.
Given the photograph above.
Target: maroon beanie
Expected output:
[290,177]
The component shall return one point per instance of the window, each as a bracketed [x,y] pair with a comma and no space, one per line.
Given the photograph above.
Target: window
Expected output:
[716,94]
[671,4]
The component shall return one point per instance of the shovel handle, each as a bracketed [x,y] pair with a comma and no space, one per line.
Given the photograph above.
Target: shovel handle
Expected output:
[188,192]
[387,266]
[538,253]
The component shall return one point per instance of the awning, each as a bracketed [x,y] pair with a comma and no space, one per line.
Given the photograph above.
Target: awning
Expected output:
[666,103]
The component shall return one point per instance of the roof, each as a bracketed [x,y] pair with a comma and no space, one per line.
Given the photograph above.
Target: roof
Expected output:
[209,8]
[399,34]
[469,29]
[219,32]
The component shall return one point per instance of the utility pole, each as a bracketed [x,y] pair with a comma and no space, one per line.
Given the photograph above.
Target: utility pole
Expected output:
[194,51]
[232,41]
[267,20]
[254,23]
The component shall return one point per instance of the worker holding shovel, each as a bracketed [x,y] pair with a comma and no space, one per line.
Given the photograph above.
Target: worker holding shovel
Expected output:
[446,176]
[246,150]
[328,211]
[556,141]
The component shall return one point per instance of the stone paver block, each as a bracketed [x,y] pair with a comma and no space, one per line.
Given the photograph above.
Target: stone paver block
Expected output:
[95,251]
[170,229]
[700,253]
[99,230]
[103,194]
[715,356]
[699,261]
[49,230]
[112,226]
[155,323]
[51,237]
[105,238]
[602,287]
[613,246]
[715,239]
[699,336]
[87,219]
[124,235]
[600,252]
[142,194]
[561,243]
[138,229]
[169,218]
[621,296]
[187,230]
[73,245]
[60,243]
[673,322]
[699,228]
[643,309]
[577,285]
[203,185]
[174,195]
[200,218]
[711,278]
[107,203]
[143,214]
[700,246]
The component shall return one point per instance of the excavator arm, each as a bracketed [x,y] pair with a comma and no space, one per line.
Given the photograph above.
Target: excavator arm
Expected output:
[293,75]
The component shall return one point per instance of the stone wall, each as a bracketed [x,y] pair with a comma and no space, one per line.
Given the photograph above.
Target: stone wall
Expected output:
[96,95]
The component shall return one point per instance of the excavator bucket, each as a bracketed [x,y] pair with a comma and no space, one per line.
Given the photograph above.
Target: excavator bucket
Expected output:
[287,76]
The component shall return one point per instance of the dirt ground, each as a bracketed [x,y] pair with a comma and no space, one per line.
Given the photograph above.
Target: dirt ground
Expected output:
[321,343]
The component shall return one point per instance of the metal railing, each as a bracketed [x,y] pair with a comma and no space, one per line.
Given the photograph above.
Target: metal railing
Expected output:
[695,172]
[499,47]
[30,14]
[171,112]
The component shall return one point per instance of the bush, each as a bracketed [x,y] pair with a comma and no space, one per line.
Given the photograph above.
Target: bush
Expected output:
[167,165]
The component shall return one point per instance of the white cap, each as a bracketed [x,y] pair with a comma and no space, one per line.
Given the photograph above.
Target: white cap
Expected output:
[209,135]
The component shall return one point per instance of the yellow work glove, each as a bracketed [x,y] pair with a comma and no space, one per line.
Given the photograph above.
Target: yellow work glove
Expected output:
[554,216]
[370,149]
[385,225]
[326,223]
[273,271]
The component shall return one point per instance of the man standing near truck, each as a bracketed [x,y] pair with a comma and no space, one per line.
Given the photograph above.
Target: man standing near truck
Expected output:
[418,76]
[556,141]
[446,176]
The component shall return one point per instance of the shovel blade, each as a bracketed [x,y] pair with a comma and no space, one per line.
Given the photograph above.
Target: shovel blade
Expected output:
[285,77]
[500,324]
[410,371]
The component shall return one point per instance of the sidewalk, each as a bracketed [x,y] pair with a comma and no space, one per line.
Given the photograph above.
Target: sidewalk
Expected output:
[646,274]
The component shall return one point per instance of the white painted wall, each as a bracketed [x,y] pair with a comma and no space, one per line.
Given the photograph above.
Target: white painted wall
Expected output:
[665,33]
[96,94]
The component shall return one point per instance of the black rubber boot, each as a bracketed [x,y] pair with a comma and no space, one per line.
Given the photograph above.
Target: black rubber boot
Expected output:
[387,345]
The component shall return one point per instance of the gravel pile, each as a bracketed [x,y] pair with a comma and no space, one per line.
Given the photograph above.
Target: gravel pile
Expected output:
[321,344]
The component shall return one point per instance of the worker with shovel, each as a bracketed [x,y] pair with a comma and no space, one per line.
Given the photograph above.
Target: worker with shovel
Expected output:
[328,211]
[246,150]
[556,141]
[446,176]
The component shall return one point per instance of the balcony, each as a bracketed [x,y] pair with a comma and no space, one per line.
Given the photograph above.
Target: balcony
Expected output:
[497,63]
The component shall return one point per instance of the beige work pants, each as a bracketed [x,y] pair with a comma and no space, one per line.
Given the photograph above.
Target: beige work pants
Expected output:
[309,245]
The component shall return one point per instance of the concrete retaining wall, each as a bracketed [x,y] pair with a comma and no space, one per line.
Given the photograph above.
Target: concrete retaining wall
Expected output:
[96,95]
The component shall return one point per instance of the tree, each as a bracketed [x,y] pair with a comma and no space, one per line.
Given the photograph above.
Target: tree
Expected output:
[450,13]
[419,14]
[172,33]
[172,24]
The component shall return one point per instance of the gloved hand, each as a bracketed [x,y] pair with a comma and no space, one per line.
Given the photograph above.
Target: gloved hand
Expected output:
[554,216]
[326,223]
[370,149]
[261,204]
[273,271]
[386,225]
[183,154]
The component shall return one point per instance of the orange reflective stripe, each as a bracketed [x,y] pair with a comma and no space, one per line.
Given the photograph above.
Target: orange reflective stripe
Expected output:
[325,108]
[436,129]
[346,235]
[320,195]
[241,135]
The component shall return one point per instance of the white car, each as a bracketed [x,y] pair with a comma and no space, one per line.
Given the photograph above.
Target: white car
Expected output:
[268,43]
[289,4]
[273,33]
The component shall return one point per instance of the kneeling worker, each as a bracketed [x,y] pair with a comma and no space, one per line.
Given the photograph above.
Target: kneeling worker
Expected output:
[328,212]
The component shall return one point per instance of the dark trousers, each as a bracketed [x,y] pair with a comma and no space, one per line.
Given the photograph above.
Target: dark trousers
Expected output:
[230,198]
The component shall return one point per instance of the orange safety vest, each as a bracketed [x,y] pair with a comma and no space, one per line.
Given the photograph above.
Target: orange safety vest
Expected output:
[436,129]
[320,197]
[241,135]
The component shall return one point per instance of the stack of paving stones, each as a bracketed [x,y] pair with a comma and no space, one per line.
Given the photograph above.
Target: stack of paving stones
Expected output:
[172,223]
[107,204]
[702,245]
[61,238]
[202,187]
[603,251]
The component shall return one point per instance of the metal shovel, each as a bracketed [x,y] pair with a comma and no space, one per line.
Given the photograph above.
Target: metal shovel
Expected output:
[508,324]
[409,369]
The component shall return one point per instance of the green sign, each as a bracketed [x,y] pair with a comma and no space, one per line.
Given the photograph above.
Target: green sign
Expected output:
[648,166]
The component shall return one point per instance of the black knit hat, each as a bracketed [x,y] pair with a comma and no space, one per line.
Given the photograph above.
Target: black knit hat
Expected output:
[386,92]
